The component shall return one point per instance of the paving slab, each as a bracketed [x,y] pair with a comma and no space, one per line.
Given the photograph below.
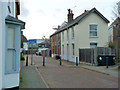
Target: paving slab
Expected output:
[30,78]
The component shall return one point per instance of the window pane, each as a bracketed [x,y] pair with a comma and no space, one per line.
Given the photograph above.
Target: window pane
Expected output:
[11,38]
[67,35]
[92,46]
[10,66]
[63,36]
[73,49]
[93,27]
[73,33]
[93,33]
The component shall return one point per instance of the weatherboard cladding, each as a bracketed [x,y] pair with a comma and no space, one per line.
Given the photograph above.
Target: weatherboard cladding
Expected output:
[79,19]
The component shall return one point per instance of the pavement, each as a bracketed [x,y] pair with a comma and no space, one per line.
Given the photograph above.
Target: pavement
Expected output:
[111,70]
[29,77]
[52,75]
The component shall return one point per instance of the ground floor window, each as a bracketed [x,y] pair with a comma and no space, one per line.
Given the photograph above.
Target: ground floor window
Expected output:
[53,49]
[93,45]
[63,49]
[73,49]
[11,49]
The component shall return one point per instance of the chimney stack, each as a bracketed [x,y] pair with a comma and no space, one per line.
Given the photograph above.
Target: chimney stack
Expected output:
[70,15]
[58,27]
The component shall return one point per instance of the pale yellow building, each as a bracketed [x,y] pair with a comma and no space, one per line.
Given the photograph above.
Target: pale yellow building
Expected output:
[88,30]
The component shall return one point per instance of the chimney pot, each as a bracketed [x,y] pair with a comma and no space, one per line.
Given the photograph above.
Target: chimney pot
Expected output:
[69,11]
[70,15]
[58,27]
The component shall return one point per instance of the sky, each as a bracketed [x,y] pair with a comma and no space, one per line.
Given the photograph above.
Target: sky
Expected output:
[42,15]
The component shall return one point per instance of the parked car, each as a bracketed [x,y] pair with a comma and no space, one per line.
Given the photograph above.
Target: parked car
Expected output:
[38,52]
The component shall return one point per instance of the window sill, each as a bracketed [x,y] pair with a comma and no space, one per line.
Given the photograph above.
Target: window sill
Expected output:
[93,37]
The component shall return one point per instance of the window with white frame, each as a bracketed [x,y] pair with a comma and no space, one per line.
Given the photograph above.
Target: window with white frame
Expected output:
[93,45]
[62,49]
[73,49]
[73,35]
[63,36]
[11,65]
[11,50]
[93,30]
[67,34]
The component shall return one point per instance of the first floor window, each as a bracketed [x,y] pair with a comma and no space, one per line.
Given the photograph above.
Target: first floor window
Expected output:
[73,33]
[67,34]
[73,49]
[63,36]
[93,30]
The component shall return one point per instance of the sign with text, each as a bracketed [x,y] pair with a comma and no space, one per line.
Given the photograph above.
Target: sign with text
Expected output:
[32,41]
[25,46]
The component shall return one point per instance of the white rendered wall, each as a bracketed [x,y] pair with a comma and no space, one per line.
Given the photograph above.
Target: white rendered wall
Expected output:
[8,80]
[0,46]
[82,38]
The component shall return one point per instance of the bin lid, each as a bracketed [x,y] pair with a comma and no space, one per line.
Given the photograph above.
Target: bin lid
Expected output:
[109,55]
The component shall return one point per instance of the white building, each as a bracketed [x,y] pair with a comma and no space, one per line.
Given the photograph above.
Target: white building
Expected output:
[10,30]
[88,30]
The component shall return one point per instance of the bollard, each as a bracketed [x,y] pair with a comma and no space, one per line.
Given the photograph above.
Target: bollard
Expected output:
[43,60]
[106,62]
[60,61]
[27,61]
[76,61]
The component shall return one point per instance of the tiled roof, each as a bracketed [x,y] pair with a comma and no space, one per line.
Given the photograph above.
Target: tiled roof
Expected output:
[80,18]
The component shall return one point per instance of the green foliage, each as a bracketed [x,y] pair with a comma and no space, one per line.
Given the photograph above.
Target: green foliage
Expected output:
[22,58]
[119,67]
[112,44]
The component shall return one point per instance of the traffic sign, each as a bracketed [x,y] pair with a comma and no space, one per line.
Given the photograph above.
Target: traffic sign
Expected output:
[32,41]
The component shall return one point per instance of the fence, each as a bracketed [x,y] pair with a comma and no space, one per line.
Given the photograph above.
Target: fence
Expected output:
[90,55]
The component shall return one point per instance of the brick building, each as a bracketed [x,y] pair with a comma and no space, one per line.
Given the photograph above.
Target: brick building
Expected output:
[55,44]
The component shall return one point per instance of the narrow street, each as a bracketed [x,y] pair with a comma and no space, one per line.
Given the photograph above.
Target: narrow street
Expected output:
[70,76]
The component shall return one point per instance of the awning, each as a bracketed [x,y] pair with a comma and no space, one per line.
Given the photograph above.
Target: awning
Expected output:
[12,20]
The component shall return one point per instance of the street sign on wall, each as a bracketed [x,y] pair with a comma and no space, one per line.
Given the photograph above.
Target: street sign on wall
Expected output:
[32,41]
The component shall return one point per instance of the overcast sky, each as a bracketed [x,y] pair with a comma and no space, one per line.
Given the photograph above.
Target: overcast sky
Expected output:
[42,15]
